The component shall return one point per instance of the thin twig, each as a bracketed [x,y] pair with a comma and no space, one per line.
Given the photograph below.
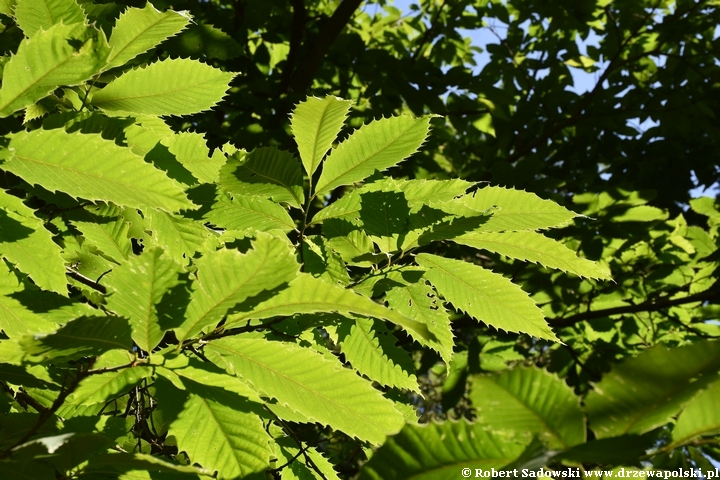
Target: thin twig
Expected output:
[46,414]
[428,34]
[288,430]
[650,305]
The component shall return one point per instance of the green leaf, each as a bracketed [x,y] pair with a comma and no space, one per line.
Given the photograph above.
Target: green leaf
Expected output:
[526,402]
[144,134]
[192,152]
[385,218]
[614,450]
[7,7]
[137,30]
[227,277]
[315,124]
[322,262]
[417,193]
[62,55]
[536,248]
[136,288]
[101,387]
[700,417]
[140,462]
[307,294]
[644,392]
[265,172]
[31,470]
[33,15]
[512,210]
[180,237]
[641,213]
[706,206]
[440,451]
[205,373]
[395,215]
[25,242]
[68,162]
[36,111]
[371,349]
[16,319]
[306,381]
[86,336]
[256,213]
[106,230]
[217,430]
[297,470]
[430,225]
[376,146]
[419,302]
[354,246]
[167,87]
[485,296]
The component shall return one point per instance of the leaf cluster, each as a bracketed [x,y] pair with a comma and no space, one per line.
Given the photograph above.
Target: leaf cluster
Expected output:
[359,302]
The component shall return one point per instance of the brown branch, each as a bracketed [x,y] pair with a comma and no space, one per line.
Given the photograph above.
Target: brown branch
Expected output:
[651,305]
[23,398]
[239,17]
[303,449]
[98,371]
[302,78]
[189,344]
[300,452]
[47,413]
[84,280]
[428,34]
[296,35]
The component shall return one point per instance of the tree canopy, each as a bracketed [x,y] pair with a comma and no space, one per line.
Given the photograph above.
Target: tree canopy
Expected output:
[342,239]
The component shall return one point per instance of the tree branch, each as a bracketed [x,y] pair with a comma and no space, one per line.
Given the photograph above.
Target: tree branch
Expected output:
[47,413]
[302,78]
[428,34]
[651,305]
[586,99]
[84,280]
[303,449]
[239,17]
[296,35]
[23,398]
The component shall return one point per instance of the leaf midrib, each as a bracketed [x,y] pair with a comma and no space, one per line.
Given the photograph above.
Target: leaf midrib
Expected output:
[313,165]
[474,289]
[89,341]
[351,413]
[534,412]
[225,434]
[9,311]
[365,161]
[276,181]
[224,299]
[377,353]
[86,173]
[46,74]
[164,93]
[107,235]
[110,378]
[524,247]
[674,391]
[235,204]
[163,16]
